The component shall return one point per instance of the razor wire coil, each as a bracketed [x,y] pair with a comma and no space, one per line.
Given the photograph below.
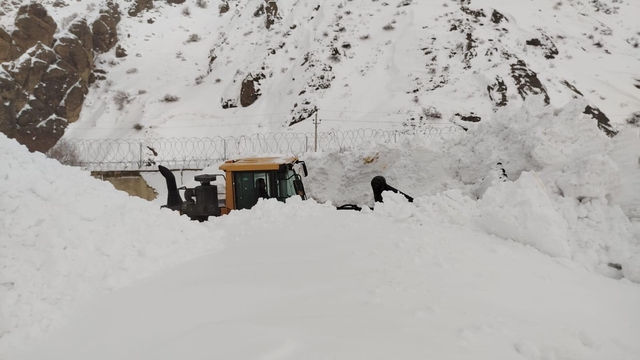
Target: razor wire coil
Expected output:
[198,153]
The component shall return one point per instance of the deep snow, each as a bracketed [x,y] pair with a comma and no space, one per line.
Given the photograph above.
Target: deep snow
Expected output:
[68,238]
[303,280]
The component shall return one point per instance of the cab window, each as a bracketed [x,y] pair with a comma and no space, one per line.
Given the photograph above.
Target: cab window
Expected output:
[250,186]
[285,184]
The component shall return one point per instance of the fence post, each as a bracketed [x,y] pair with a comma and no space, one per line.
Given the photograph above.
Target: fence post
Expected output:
[306,143]
[315,146]
[140,157]
[225,148]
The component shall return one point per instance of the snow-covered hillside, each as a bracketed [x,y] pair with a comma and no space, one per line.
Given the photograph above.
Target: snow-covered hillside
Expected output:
[374,64]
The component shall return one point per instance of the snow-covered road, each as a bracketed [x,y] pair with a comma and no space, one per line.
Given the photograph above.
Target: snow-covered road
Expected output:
[304,281]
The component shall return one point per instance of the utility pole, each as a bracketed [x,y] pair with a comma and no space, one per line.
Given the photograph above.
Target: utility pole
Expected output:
[315,122]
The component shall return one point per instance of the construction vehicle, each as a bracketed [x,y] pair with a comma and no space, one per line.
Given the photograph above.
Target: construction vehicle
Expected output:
[247,180]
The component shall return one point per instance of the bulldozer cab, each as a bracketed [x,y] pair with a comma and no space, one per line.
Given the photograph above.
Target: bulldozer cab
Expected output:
[250,179]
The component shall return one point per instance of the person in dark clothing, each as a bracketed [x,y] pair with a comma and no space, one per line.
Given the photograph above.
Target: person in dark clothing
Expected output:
[262,188]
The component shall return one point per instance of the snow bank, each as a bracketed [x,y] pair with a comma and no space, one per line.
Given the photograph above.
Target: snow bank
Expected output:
[578,204]
[588,179]
[65,236]
[522,211]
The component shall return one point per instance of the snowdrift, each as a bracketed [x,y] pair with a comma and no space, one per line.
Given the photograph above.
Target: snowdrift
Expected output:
[66,236]
[571,194]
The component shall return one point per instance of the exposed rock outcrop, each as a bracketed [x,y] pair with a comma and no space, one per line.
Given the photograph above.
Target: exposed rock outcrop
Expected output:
[140,6]
[250,91]
[43,86]
[105,35]
[229,103]
[55,95]
[527,81]
[12,98]
[120,52]
[272,13]
[39,128]
[33,25]
[550,49]
[8,48]
[603,121]
[224,7]
[497,17]
[498,93]
[71,50]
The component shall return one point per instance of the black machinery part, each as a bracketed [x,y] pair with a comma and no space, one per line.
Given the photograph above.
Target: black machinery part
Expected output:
[173,196]
[199,203]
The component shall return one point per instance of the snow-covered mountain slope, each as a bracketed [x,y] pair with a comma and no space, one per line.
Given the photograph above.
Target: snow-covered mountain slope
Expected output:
[360,63]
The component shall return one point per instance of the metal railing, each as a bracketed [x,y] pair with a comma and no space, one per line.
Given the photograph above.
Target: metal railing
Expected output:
[197,153]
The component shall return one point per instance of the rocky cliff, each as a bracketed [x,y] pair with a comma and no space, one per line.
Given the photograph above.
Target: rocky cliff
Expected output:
[45,78]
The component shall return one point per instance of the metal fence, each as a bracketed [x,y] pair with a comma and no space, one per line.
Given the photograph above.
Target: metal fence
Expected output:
[197,153]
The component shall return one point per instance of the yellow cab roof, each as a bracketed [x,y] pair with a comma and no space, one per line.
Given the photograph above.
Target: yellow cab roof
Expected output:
[257,163]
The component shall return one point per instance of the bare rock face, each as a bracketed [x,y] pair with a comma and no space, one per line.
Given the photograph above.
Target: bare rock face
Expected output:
[71,50]
[76,48]
[105,35]
[527,82]
[272,13]
[497,17]
[27,71]
[546,44]
[80,29]
[33,25]
[45,92]
[120,52]
[604,123]
[12,98]
[113,9]
[229,103]
[59,4]
[38,126]
[224,7]
[43,84]
[8,48]
[249,92]
[498,93]
[72,105]
[140,6]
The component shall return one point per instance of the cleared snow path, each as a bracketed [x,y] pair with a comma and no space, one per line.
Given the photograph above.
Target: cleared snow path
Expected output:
[304,281]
